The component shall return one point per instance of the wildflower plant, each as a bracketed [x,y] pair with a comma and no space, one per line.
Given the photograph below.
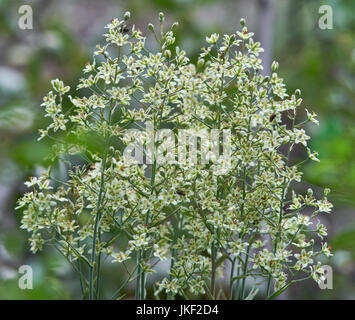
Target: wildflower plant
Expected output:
[242,223]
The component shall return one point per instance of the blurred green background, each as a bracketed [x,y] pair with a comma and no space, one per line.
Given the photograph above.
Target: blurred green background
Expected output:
[319,62]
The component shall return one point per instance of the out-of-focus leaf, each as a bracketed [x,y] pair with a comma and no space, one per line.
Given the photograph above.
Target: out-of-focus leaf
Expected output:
[30,153]
[14,242]
[344,240]
[16,118]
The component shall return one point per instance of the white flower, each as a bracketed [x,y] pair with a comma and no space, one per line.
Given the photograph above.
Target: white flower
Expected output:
[245,35]
[197,286]
[59,86]
[120,256]
[213,38]
[321,229]
[324,205]
[317,273]
[304,259]
[312,117]
[312,155]
[139,241]
[300,136]
[123,195]
[326,250]
[160,252]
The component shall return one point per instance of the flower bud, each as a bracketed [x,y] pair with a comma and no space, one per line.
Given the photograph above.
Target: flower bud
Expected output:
[275,66]
[167,54]
[161,17]
[200,62]
[151,27]
[127,15]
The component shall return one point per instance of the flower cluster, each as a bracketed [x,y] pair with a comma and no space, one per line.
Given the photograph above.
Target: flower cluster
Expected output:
[183,213]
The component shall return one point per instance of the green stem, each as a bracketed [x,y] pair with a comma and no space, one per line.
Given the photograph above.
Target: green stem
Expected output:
[278,235]
[138,280]
[231,282]
[143,278]
[96,235]
[213,275]
[241,235]
[171,295]
[96,228]
[245,268]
